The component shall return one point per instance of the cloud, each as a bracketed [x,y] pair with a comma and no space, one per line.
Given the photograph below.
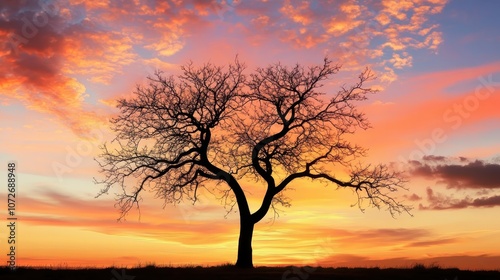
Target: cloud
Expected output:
[436,242]
[53,53]
[475,174]
[352,32]
[304,234]
[184,222]
[348,19]
[298,12]
[97,55]
[434,158]
[53,50]
[33,62]
[51,207]
[438,201]
[413,197]
[407,24]
[477,180]
[400,62]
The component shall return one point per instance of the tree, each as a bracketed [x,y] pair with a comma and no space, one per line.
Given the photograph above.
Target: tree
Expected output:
[215,123]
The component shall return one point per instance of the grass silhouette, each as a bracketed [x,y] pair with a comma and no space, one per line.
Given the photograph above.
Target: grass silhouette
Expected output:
[229,272]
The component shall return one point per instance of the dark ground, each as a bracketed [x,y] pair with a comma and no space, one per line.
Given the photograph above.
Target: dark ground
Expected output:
[230,273]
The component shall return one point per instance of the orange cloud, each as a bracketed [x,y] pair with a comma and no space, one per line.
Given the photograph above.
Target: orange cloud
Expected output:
[99,56]
[298,11]
[346,21]
[34,64]
[349,30]
[402,35]
[401,62]
[51,53]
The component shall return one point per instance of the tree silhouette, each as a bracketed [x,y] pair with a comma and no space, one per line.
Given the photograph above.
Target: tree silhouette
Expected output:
[214,123]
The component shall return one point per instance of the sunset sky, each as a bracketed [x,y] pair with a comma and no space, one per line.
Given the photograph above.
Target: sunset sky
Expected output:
[437,116]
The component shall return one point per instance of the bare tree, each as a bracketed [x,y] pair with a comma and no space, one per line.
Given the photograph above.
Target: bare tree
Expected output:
[215,123]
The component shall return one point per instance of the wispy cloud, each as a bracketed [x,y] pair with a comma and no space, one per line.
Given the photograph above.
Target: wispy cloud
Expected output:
[429,243]
[52,208]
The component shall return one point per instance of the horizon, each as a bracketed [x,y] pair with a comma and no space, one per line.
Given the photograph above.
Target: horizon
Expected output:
[229,272]
[65,64]
[409,265]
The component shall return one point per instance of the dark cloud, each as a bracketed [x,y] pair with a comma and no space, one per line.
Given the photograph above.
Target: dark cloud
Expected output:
[438,201]
[463,174]
[434,158]
[463,159]
[477,179]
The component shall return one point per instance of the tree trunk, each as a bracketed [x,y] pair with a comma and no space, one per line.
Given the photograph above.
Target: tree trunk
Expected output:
[245,243]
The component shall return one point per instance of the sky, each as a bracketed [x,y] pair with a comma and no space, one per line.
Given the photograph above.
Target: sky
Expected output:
[63,65]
